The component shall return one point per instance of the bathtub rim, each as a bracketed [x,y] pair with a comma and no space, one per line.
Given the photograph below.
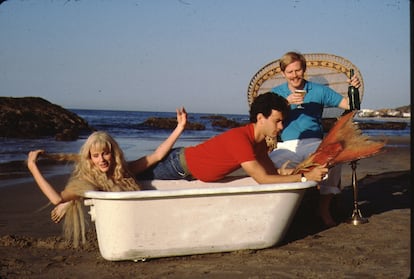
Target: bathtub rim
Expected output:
[200,191]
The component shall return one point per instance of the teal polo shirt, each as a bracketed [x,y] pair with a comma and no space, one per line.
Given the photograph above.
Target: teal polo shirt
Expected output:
[306,123]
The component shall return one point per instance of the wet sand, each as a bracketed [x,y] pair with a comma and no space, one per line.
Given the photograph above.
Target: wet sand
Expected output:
[31,245]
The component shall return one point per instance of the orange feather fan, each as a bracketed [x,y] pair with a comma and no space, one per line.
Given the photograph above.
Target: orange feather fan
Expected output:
[344,143]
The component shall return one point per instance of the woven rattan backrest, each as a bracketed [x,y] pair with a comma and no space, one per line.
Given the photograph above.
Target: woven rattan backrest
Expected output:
[328,69]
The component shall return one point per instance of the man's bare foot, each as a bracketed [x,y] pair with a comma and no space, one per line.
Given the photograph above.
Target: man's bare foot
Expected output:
[328,221]
[59,211]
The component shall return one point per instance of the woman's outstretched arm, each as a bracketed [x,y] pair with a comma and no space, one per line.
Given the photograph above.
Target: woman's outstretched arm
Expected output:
[147,161]
[47,189]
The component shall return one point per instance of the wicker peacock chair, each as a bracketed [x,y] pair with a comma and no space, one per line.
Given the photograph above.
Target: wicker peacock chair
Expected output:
[327,69]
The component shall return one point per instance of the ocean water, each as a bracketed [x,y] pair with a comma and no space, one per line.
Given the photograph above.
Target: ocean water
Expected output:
[134,139]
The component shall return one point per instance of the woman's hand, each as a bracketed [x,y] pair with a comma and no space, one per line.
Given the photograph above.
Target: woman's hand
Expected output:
[59,211]
[181,117]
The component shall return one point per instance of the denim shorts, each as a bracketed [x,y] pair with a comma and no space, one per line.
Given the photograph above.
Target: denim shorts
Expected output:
[172,167]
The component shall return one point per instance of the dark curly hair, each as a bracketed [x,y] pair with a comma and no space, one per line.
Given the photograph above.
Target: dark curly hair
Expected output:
[267,102]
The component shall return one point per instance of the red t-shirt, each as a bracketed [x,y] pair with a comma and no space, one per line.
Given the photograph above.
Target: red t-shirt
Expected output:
[222,154]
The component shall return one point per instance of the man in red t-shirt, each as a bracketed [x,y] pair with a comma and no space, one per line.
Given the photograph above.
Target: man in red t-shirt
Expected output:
[243,147]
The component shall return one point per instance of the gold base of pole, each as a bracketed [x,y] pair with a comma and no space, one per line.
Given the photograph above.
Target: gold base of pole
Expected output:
[356,218]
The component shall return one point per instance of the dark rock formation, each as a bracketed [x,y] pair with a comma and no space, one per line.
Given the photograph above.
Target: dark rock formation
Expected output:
[327,124]
[225,123]
[388,125]
[170,123]
[33,117]
[221,121]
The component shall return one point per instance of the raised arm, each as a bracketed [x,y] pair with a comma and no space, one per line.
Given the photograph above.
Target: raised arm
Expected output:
[145,162]
[47,189]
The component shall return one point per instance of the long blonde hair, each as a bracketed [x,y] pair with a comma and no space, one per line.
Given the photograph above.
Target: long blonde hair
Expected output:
[118,177]
[86,176]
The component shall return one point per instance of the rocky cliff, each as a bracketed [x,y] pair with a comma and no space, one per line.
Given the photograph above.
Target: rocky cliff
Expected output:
[34,117]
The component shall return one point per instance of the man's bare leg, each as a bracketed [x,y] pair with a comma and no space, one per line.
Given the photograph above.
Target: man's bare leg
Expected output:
[324,210]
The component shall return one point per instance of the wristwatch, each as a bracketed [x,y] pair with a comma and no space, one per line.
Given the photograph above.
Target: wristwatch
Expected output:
[303,178]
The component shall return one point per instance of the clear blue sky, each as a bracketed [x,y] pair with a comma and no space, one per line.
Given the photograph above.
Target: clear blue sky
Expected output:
[156,55]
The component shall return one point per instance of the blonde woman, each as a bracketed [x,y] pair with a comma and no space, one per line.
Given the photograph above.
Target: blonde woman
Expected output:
[100,165]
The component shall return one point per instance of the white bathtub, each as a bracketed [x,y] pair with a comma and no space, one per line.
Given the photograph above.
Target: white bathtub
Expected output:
[184,218]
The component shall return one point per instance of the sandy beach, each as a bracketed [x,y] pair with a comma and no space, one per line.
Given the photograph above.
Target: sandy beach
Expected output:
[31,245]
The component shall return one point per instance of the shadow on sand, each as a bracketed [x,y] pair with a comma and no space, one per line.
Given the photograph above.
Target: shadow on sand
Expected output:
[376,194]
